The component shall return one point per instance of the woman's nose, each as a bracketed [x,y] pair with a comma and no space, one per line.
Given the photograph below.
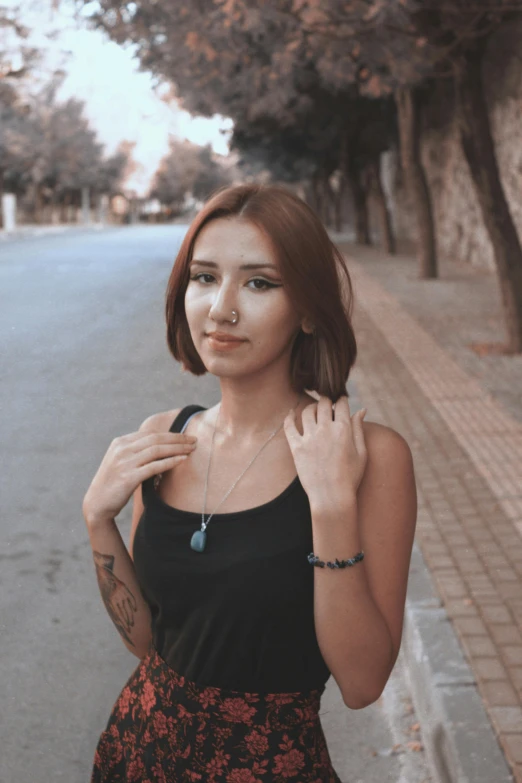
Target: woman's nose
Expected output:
[223,304]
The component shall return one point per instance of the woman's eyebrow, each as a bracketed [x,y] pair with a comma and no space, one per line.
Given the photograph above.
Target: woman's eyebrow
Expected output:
[213,265]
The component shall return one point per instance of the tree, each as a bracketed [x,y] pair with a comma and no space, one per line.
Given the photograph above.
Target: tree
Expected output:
[399,46]
[114,170]
[16,60]
[48,152]
[253,64]
[186,170]
[457,34]
[16,57]
[351,47]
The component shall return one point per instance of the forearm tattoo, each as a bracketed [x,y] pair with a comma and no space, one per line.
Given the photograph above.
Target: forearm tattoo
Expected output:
[118,599]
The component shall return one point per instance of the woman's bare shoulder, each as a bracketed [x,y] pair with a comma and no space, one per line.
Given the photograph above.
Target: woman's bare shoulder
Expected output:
[386,446]
[382,434]
[159,422]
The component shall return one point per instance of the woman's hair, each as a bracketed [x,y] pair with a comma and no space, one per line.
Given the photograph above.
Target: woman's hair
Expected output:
[311,269]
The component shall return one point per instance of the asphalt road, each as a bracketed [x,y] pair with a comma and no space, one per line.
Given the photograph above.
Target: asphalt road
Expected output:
[84,359]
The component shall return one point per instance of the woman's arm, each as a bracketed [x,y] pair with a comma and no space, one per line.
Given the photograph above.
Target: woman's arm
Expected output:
[359,610]
[119,586]
[114,565]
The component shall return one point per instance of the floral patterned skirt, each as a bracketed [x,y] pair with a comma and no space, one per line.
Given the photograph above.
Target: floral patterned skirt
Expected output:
[164,728]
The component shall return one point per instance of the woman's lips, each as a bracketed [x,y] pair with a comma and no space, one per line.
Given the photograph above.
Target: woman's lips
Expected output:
[223,345]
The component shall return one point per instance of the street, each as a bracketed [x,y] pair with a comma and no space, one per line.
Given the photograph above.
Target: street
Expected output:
[85,360]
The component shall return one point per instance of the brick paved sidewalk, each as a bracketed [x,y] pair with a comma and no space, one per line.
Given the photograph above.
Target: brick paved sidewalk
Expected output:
[462,417]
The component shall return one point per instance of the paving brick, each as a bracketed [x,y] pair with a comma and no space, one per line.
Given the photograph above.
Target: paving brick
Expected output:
[461,607]
[470,567]
[478,646]
[457,539]
[470,625]
[483,589]
[512,656]
[435,548]
[512,744]
[495,615]
[509,589]
[495,561]
[498,693]
[489,669]
[505,634]
[505,575]
[438,562]
[487,599]
[450,586]
[506,719]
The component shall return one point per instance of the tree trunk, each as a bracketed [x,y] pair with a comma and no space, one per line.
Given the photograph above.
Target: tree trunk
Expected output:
[317,195]
[385,222]
[53,210]
[339,207]
[38,203]
[65,207]
[346,201]
[308,194]
[1,194]
[326,201]
[360,202]
[340,200]
[334,212]
[409,132]
[478,146]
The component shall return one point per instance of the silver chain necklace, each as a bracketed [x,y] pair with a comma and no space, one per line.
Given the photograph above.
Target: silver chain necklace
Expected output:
[199,538]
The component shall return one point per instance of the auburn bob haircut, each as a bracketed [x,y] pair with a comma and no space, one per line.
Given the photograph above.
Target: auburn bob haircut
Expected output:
[314,274]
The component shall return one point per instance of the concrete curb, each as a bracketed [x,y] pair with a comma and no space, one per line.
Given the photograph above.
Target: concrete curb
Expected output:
[460,742]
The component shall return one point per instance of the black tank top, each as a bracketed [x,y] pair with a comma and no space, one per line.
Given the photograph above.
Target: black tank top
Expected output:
[239,615]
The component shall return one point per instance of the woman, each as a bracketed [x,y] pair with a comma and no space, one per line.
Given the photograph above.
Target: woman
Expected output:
[238,627]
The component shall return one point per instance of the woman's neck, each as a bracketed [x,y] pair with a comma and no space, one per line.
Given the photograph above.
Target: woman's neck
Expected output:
[250,420]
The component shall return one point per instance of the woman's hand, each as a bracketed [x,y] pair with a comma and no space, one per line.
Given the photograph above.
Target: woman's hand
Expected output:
[129,460]
[330,456]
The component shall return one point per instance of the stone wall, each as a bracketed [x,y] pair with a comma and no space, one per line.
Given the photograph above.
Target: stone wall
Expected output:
[460,229]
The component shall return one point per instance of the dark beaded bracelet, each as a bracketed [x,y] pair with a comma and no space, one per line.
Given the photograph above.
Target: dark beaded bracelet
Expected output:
[314,560]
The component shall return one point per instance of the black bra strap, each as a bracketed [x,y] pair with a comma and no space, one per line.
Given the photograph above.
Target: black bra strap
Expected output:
[184,414]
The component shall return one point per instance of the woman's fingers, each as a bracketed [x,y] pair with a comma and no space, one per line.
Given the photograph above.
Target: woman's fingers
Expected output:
[162,451]
[159,466]
[308,416]
[129,460]
[136,442]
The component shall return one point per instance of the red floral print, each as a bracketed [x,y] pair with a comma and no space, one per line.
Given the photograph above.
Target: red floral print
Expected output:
[160,724]
[256,743]
[242,776]
[164,728]
[148,699]
[237,710]
[289,764]
[124,702]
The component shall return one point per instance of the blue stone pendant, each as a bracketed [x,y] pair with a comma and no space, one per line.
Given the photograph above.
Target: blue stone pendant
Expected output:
[198,541]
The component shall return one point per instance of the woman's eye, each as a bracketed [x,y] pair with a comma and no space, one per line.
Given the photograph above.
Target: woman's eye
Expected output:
[265,283]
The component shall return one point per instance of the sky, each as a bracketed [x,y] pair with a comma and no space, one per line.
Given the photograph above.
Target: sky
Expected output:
[120,101]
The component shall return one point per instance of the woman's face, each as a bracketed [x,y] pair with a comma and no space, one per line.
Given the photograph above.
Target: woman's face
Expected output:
[266,319]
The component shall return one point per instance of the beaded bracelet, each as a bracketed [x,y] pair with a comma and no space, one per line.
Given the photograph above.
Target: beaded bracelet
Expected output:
[314,560]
